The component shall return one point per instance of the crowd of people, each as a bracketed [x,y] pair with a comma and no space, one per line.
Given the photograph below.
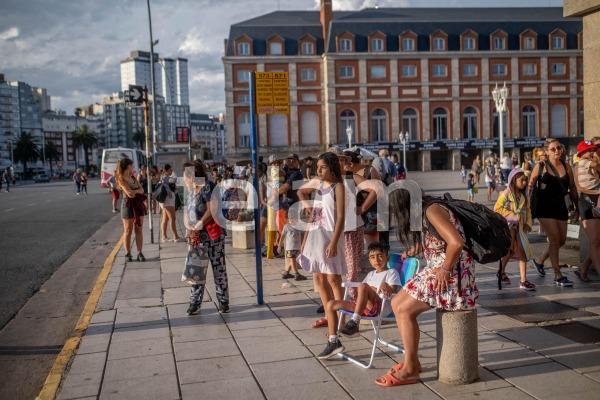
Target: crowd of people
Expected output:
[327,236]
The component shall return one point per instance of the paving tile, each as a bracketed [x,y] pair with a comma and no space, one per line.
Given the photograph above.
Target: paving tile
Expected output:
[141,275]
[139,290]
[261,333]
[294,390]
[510,358]
[128,369]
[140,332]
[140,348]
[227,389]
[304,370]
[580,357]
[79,392]
[96,339]
[511,393]
[536,338]
[137,316]
[103,317]
[212,369]
[144,302]
[205,349]
[163,387]
[180,295]
[499,322]
[272,349]
[172,280]
[487,381]
[551,381]
[250,320]
[193,333]
[84,363]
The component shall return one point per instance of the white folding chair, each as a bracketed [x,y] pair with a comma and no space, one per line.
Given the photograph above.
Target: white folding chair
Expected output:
[407,272]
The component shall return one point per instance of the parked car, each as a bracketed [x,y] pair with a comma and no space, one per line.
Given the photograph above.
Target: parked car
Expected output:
[42,178]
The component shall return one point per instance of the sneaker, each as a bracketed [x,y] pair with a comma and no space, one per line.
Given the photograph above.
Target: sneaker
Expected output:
[115,211]
[286,275]
[299,277]
[331,350]
[224,308]
[563,281]
[527,286]
[193,309]
[350,329]
[540,268]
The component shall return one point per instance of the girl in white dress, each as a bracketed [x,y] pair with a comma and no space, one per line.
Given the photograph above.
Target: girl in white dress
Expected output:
[323,248]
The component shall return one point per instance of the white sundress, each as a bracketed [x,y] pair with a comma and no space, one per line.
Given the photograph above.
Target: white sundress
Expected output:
[320,234]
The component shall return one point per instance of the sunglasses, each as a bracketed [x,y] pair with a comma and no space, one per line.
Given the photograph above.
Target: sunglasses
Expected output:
[555,149]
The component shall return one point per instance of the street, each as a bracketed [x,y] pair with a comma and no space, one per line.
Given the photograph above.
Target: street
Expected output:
[41,225]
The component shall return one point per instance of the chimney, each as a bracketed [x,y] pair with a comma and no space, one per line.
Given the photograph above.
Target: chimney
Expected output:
[326,16]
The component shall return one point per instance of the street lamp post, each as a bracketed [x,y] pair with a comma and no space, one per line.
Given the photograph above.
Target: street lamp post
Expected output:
[349,135]
[499,95]
[153,83]
[404,136]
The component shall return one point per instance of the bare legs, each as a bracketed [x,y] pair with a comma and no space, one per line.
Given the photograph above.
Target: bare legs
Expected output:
[517,250]
[557,235]
[139,235]
[127,231]
[168,218]
[329,286]
[592,230]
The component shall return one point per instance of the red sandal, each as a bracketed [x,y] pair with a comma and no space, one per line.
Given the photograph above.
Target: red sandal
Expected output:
[320,323]
[389,380]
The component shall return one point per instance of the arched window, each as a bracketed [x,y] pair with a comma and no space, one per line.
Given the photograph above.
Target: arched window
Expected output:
[310,128]
[529,121]
[470,123]
[379,125]
[409,123]
[347,119]
[278,130]
[558,127]
[243,128]
[440,124]
[496,126]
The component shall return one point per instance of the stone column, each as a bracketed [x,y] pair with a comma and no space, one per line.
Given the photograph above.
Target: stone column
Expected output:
[455,132]
[329,119]
[263,139]
[514,97]
[457,347]
[573,109]
[293,116]
[425,159]
[425,117]
[364,108]
[394,104]
[486,115]
[545,119]
[456,160]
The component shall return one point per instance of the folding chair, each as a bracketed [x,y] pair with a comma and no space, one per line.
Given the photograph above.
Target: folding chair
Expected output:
[406,269]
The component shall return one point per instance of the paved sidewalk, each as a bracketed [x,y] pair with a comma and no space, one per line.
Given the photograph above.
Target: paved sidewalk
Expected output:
[142,345]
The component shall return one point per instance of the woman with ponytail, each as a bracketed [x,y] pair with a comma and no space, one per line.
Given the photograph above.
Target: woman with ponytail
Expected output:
[133,207]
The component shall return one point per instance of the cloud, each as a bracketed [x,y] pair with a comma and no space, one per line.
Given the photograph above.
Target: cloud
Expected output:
[10,33]
[194,44]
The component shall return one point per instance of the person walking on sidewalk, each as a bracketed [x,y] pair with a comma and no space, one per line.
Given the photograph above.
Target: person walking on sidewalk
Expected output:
[168,207]
[114,193]
[84,182]
[133,208]
[6,177]
[207,236]
[77,180]
[291,238]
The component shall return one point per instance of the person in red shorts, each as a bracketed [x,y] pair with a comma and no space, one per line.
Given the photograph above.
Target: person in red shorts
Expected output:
[114,192]
[368,303]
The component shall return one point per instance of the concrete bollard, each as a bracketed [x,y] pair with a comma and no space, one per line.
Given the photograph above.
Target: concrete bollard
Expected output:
[457,347]
[242,237]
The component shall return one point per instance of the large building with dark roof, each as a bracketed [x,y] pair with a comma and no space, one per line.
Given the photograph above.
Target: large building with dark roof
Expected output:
[426,71]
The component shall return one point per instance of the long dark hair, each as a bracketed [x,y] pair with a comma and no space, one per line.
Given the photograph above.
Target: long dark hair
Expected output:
[120,171]
[333,163]
[400,213]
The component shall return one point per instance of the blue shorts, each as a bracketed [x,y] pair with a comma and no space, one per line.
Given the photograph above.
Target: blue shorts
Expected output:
[470,192]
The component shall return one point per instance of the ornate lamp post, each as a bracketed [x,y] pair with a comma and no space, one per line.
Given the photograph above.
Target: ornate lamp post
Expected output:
[404,138]
[500,95]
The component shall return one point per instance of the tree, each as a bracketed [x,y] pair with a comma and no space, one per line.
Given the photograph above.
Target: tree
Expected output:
[52,154]
[85,138]
[26,150]
[139,137]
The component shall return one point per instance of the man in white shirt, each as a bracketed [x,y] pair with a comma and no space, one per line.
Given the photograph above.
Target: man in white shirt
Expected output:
[505,167]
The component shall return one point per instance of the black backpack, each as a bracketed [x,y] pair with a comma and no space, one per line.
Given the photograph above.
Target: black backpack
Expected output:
[487,236]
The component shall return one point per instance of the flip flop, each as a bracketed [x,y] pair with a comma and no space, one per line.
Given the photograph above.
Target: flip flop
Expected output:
[389,380]
[578,274]
[320,323]
[399,366]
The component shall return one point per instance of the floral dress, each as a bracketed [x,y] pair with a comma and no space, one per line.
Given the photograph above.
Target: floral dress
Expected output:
[422,286]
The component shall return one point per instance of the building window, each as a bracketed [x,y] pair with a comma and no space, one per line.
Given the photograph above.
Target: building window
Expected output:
[377,45]
[558,125]
[470,123]
[347,119]
[529,43]
[409,123]
[469,44]
[529,69]
[498,43]
[345,45]
[378,71]
[529,121]
[439,44]
[310,128]
[244,129]
[308,75]
[470,70]
[499,69]
[243,49]
[379,125]
[275,49]
[243,76]
[558,69]
[408,44]
[558,43]
[439,70]
[244,98]
[440,124]
[347,72]
[409,71]
[278,130]
[309,97]
[308,48]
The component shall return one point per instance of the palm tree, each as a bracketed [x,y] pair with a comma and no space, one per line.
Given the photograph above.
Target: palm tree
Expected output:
[26,150]
[52,154]
[85,138]
[139,137]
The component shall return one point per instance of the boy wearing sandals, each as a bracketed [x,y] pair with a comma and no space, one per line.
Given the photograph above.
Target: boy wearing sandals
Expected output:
[381,280]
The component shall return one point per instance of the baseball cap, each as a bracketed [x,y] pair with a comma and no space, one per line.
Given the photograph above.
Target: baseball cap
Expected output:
[292,155]
[585,146]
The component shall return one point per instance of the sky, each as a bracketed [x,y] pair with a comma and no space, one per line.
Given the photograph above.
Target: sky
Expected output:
[73,47]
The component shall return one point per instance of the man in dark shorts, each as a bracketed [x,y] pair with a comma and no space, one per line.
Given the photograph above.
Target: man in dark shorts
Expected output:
[288,191]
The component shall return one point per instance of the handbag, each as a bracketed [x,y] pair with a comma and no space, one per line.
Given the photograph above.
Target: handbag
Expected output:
[535,195]
[178,202]
[196,266]
[160,194]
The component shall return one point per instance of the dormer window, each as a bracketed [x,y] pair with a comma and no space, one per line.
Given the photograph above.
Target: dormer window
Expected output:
[308,48]
[469,43]
[499,43]
[345,45]
[243,49]
[558,43]
[377,45]
[408,44]
[275,48]
[529,43]
[439,44]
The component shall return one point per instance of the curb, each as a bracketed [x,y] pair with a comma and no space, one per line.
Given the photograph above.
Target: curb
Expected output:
[54,378]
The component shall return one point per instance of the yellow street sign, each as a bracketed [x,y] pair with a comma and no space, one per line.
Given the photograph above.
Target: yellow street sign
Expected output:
[272,93]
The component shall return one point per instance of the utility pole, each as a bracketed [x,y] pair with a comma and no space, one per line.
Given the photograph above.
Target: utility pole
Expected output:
[152,78]
[147,136]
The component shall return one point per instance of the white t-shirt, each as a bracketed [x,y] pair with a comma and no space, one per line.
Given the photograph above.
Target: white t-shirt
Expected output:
[375,279]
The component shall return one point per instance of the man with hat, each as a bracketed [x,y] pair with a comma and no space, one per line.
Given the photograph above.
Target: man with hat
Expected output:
[588,171]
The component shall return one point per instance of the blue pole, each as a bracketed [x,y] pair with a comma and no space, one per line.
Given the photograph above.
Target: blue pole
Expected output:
[253,146]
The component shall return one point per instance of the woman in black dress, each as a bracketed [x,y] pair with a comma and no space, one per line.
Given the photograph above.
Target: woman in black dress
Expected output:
[555,182]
